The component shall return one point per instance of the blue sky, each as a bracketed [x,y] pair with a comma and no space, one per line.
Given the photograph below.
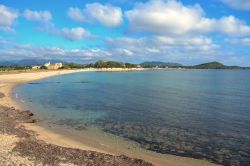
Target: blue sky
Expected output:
[183,31]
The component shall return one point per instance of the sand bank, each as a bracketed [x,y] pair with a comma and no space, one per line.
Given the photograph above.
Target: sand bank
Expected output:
[9,81]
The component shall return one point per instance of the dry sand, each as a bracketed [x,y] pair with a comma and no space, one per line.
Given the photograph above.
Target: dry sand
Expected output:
[7,142]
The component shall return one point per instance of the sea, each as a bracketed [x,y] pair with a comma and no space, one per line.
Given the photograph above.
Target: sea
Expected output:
[203,114]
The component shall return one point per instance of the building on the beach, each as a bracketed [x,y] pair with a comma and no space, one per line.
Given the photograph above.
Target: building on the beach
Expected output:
[138,66]
[53,66]
[47,64]
[36,67]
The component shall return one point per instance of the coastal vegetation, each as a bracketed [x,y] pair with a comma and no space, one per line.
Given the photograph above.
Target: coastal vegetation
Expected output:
[159,64]
[14,67]
[44,67]
[114,64]
[99,64]
[153,64]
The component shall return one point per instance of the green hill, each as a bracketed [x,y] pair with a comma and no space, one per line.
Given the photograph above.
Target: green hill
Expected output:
[210,65]
[214,65]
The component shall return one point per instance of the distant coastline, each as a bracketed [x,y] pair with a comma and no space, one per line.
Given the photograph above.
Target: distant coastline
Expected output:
[109,66]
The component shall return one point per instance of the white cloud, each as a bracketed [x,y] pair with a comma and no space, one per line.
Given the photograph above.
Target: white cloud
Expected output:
[233,26]
[171,17]
[168,17]
[200,43]
[90,53]
[107,15]
[13,51]
[157,43]
[238,4]
[187,50]
[124,52]
[74,33]
[238,41]
[245,41]
[175,49]
[7,18]
[41,16]
[76,14]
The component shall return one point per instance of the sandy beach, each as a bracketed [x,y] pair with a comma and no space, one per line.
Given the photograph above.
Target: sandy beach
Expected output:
[8,142]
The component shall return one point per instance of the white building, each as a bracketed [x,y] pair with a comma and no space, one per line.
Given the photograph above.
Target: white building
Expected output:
[47,64]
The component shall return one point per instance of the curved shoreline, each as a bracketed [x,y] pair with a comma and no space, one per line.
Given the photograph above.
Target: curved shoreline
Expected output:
[10,81]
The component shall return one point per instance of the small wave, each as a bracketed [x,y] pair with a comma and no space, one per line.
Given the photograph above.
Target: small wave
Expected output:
[34,83]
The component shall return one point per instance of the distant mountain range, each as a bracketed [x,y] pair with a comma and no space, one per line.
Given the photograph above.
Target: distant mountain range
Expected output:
[159,64]
[29,62]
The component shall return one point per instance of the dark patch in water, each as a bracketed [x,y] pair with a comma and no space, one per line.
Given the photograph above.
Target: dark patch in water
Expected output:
[81,82]
[37,83]
[61,107]
[77,107]
[218,147]
[79,124]
[34,83]
[71,122]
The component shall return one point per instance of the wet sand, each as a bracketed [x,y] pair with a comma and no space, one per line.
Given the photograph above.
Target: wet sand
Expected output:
[9,81]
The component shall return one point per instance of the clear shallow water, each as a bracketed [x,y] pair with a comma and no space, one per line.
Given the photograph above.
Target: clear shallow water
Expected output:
[196,113]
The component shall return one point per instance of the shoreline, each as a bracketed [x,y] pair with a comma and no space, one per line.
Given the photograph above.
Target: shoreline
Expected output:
[9,81]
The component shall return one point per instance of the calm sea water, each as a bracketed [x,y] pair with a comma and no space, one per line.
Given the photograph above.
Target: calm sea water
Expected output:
[196,113]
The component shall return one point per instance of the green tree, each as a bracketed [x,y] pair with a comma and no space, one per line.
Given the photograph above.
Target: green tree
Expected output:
[44,67]
[129,65]
[100,64]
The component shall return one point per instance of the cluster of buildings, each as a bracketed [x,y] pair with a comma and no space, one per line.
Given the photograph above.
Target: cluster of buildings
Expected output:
[49,66]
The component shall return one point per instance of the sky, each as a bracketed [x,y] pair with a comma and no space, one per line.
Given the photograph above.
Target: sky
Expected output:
[182,31]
